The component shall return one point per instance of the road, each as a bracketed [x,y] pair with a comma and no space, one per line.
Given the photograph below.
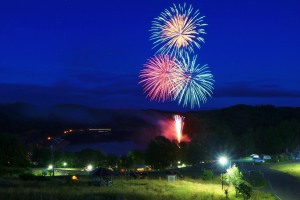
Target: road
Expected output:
[283,186]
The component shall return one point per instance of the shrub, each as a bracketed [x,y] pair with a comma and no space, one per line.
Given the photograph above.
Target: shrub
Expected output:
[281,158]
[207,174]
[12,172]
[233,176]
[244,189]
[275,159]
[31,177]
[26,176]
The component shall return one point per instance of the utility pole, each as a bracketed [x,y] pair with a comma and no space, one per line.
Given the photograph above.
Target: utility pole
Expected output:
[52,158]
[50,139]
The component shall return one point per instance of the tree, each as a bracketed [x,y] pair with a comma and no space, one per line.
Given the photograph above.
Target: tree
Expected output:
[233,177]
[289,134]
[183,152]
[12,152]
[196,152]
[126,161]
[41,155]
[90,156]
[244,189]
[161,152]
[65,157]
[137,157]
[112,160]
[247,145]
[271,141]
[221,139]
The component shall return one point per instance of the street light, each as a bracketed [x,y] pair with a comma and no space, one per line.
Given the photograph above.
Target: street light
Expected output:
[89,168]
[65,164]
[223,160]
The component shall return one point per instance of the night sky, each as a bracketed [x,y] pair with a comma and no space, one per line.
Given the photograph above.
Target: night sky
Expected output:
[91,52]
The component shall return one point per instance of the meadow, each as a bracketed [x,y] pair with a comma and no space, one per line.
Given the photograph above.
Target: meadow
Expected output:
[289,168]
[52,188]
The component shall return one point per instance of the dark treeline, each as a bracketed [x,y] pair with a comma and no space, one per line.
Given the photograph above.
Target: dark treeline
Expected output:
[237,131]
[13,153]
[242,130]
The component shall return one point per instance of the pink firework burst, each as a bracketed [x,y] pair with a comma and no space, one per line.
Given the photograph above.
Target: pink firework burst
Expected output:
[160,77]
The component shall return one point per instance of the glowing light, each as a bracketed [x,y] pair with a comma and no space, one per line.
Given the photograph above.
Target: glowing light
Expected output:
[50,167]
[75,178]
[196,83]
[165,78]
[160,76]
[89,168]
[173,75]
[223,160]
[64,164]
[178,126]
[168,130]
[177,29]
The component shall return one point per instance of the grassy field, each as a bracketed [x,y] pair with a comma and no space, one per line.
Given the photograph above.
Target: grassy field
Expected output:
[292,169]
[122,189]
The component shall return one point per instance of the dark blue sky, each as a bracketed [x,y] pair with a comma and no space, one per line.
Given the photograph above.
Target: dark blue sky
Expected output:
[91,52]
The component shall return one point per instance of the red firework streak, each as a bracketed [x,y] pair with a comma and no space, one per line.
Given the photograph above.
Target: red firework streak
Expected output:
[179,127]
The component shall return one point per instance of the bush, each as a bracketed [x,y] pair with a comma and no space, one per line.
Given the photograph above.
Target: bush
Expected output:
[12,172]
[31,177]
[207,174]
[275,159]
[281,158]
[244,189]
[233,176]
[26,176]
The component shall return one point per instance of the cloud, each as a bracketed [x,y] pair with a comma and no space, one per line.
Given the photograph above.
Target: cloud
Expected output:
[259,89]
[113,92]
[119,84]
[122,91]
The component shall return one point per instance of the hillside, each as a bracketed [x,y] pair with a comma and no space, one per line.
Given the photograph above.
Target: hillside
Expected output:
[265,129]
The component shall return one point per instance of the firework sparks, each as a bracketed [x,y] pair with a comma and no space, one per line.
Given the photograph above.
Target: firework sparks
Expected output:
[160,77]
[178,126]
[177,29]
[176,32]
[196,83]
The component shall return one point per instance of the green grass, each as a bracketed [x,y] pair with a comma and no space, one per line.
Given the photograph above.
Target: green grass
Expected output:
[256,181]
[122,189]
[292,169]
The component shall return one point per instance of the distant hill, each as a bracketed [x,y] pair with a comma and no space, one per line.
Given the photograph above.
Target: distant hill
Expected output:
[218,128]
[29,121]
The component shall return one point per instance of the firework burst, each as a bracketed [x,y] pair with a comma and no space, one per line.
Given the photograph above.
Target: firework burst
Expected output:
[178,126]
[177,29]
[160,76]
[196,83]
